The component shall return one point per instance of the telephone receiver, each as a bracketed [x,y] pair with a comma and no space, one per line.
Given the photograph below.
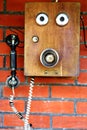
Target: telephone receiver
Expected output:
[12,41]
[12,81]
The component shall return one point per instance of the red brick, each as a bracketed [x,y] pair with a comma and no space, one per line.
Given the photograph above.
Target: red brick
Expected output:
[53,80]
[40,91]
[85,17]
[20,75]
[69,92]
[37,121]
[82,107]
[83,50]
[7,65]
[13,5]
[11,20]
[1,34]
[22,91]
[20,50]
[4,75]
[1,5]
[40,121]
[4,106]
[52,107]
[12,120]
[20,62]
[5,49]
[83,63]
[82,79]
[70,122]
[1,61]
[82,35]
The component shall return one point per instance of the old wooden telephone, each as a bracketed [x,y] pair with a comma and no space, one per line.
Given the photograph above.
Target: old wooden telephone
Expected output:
[52,37]
[52,33]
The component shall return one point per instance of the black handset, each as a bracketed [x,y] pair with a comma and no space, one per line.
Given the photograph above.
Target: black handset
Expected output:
[12,41]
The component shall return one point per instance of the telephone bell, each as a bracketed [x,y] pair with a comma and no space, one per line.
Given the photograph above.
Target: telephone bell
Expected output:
[49,57]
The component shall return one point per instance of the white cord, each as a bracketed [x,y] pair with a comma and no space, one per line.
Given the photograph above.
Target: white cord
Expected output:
[26,124]
[11,103]
[13,91]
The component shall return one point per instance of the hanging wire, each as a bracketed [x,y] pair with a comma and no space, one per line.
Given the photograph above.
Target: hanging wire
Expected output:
[13,91]
[84,32]
[11,103]
[12,30]
[20,31]
[26,124]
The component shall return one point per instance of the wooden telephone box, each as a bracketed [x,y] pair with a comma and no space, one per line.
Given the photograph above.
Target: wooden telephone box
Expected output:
[52,39]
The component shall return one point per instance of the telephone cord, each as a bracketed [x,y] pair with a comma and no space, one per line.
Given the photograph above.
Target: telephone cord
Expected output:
[26,124]
[19,115]
[11,103]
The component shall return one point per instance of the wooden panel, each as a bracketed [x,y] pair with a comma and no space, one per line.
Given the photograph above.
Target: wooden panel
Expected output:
[65,40]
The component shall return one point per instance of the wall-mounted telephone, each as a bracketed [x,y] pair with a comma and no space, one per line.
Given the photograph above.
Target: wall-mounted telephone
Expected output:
[52,34]
[52,39]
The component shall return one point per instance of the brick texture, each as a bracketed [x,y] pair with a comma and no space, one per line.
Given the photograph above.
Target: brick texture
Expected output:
[39,91]
[1,34]
[40,121]
[1,61]
[37,121]
[82,107]
[57,103]
[52,107]
[70,122]
[83,63]
[83,50]
[1,5]
[69,92]
[82,78]
[14,20]
[12,120]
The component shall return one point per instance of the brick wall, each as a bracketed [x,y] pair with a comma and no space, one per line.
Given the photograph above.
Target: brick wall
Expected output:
[58,103]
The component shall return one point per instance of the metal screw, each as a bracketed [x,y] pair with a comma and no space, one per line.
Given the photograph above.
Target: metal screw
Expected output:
[46,72]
